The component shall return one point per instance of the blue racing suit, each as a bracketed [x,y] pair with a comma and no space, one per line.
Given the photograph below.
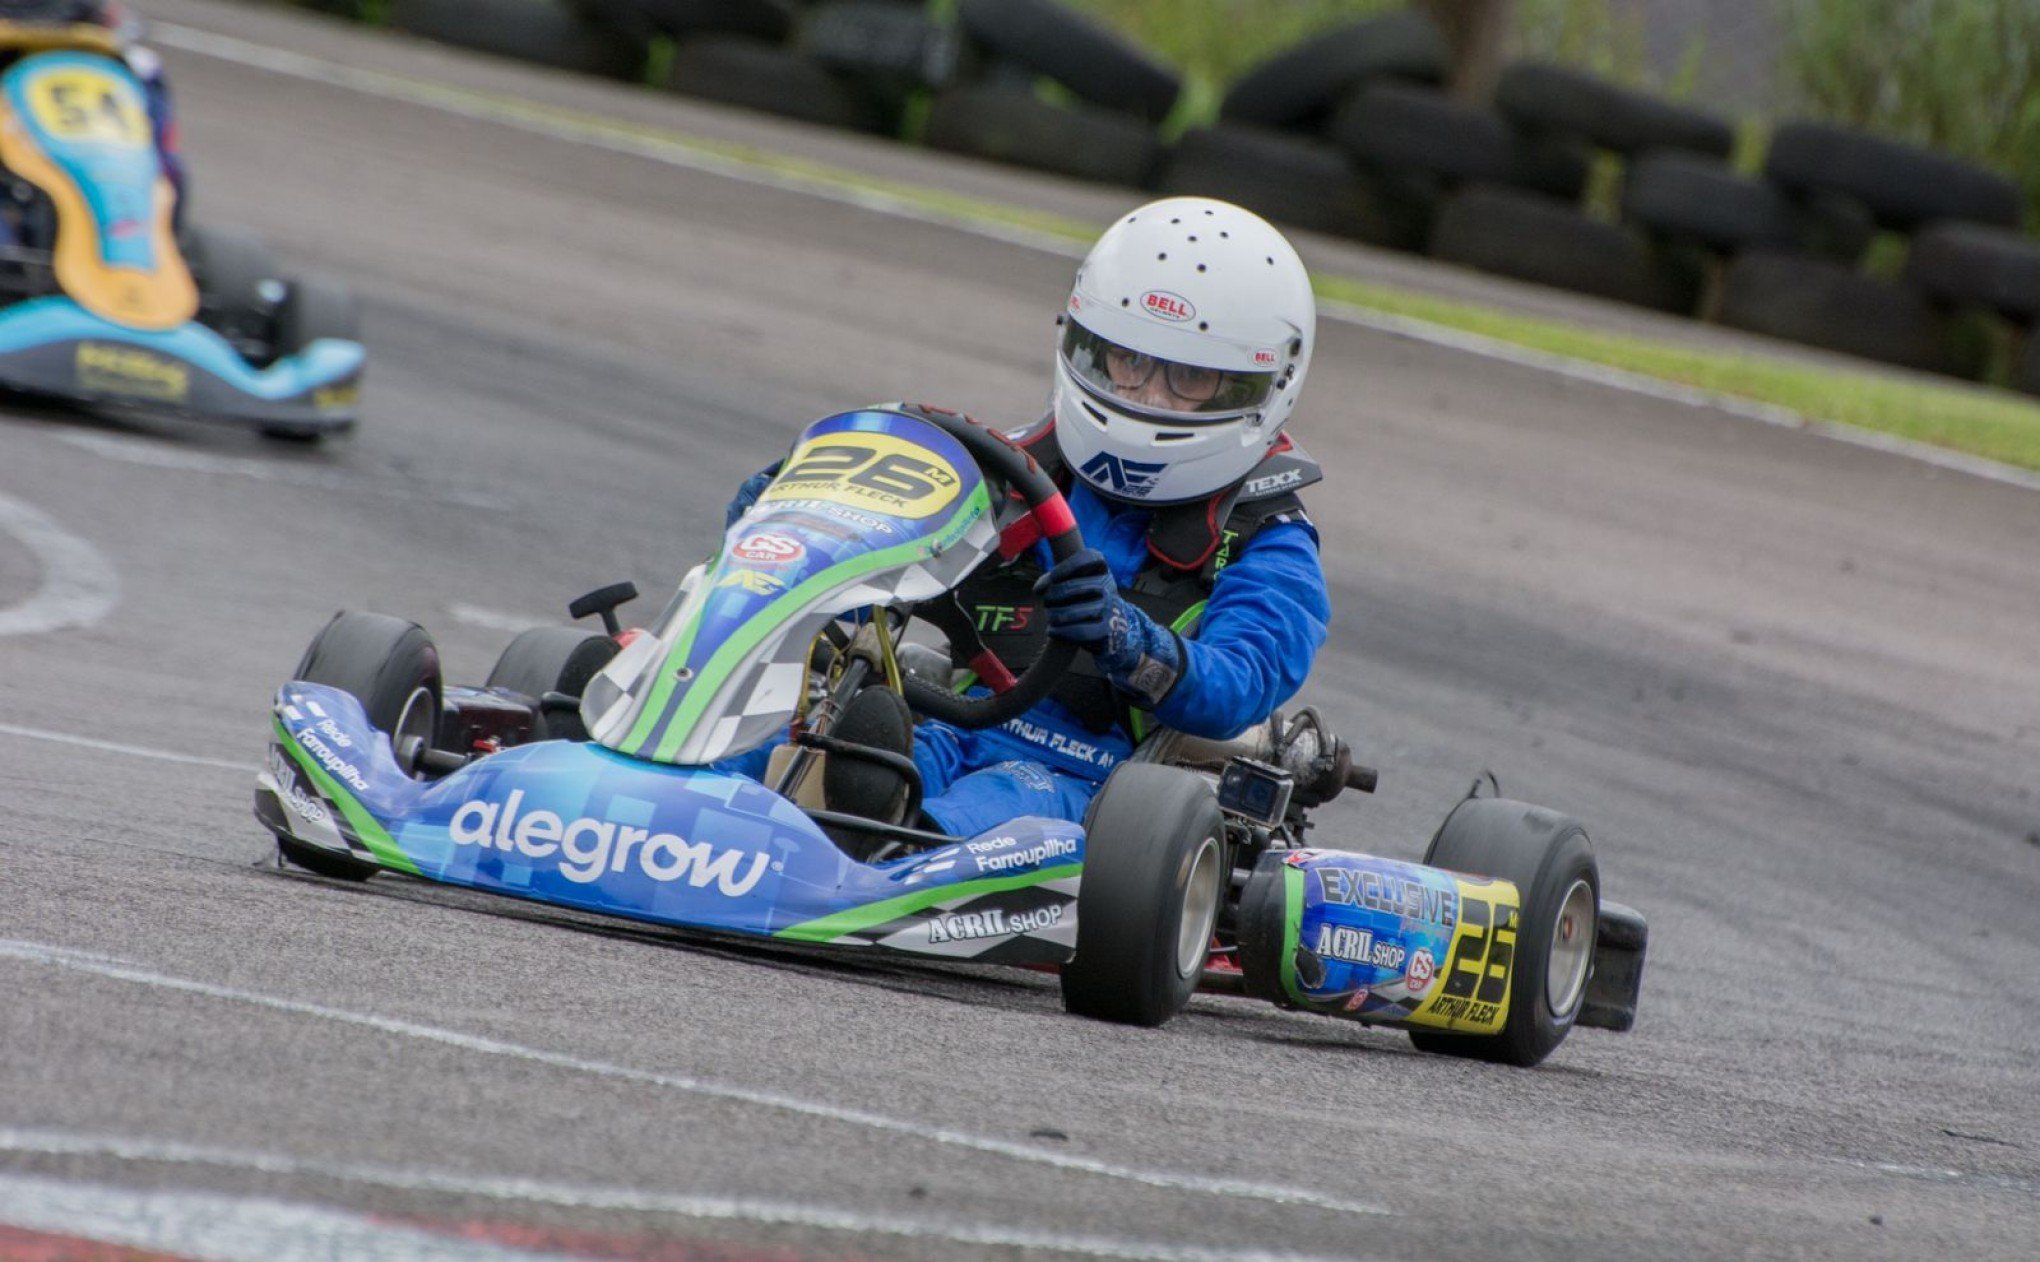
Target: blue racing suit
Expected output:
[1267,615]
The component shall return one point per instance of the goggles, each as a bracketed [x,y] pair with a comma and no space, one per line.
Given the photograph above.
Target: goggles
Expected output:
[1166,387]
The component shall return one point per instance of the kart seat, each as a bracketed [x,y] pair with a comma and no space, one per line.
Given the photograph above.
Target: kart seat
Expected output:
[876,719]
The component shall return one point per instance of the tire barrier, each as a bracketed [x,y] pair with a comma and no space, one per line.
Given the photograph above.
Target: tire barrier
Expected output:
[1519,234]
[1828,305]
[1348,133]
[1300,87]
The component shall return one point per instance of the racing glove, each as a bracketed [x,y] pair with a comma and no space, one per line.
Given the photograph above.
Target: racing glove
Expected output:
[747,494]
[1142,658]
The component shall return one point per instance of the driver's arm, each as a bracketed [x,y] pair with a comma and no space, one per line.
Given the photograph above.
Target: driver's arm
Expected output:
[1268,615]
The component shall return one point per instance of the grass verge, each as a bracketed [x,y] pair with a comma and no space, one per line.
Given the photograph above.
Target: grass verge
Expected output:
[1993,424]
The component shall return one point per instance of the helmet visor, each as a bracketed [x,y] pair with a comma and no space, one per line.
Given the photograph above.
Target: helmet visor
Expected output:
[1163,387]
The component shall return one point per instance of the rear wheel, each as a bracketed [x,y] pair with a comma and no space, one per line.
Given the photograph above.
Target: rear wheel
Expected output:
[1551,863]
[1154,872]
[313,307]
[392,668]
[237,283]
[553,659]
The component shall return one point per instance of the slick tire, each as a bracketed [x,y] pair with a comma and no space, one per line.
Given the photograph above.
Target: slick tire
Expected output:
[1546,98]
[557,660]
[1551,863]
[392,667]
[733,70]
[1010,124]
[543,32]
[1975,265]
[1828,305]
[1903,186]
[1688,197]
[313,307]
[1095,63]
[233,270]
[1300,182]
[1538,239]
[1298,88]
[1154,875]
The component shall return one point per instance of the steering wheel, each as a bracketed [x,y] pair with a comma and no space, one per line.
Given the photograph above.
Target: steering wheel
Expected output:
[1012,696]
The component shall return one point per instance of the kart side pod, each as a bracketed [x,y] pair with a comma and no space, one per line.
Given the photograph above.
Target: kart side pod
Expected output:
[1389,943]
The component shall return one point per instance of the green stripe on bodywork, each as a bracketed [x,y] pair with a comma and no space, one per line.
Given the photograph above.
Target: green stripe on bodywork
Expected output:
[843,923]
[1181,626]
[1292,931]
[379,842]
[733,651]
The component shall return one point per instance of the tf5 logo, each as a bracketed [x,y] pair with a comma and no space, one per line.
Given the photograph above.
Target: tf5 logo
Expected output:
[996,618]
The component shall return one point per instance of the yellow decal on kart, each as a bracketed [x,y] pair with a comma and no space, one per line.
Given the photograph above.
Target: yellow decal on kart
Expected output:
[875,472]
[94,104]
[109,368]
[84,106]
[1471,990]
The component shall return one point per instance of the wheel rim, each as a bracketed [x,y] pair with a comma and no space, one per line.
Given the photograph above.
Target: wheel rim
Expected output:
[1572,949]
[1200,910]
[416,719]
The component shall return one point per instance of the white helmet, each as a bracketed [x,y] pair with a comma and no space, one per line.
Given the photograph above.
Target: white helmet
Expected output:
[1184,347]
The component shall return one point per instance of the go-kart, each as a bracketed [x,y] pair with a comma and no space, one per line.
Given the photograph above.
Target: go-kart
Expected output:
[104,301]
[592,771]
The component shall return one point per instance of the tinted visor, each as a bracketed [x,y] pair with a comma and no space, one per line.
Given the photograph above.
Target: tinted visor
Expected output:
[1164,386]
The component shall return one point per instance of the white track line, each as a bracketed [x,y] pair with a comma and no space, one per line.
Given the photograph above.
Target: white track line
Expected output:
[674,150]
[133,751]
[79,585]
[228,1228]
[579,1196]
[38,953]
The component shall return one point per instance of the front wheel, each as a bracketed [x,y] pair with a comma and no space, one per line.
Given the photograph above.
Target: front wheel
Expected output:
[392,668]
[1154,872]
[1551,863]
[557,660]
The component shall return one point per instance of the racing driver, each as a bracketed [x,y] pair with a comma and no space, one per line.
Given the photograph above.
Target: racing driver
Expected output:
[1199,600]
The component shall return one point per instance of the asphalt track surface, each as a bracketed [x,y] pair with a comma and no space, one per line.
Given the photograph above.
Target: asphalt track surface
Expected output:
[1792,688]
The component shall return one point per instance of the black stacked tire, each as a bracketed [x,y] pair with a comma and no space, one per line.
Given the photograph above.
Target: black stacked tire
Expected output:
[1299,182]
[734,70]
[1095,63]
[1009,123]
[1551,863]
[1688,197]
[1545,98]
[392,667]
[759,19]
[1299,87]
[1832,306]
[1976,265]
[1391,127]
[1533,238]
[1154,874]
[541,31]
[553,660]
[892,42]
[2026,368]
[1902,185]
